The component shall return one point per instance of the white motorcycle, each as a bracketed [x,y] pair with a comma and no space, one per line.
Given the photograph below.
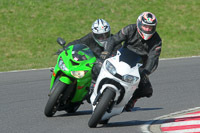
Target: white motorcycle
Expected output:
[118,79]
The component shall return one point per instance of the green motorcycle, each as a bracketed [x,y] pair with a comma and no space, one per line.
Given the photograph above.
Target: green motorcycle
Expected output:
[71,78]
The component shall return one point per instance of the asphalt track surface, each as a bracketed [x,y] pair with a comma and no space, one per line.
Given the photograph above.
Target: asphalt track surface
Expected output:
[23,96]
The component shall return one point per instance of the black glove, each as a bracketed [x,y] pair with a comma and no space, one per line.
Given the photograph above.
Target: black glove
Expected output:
[59,51]
[96,68]
[104,55]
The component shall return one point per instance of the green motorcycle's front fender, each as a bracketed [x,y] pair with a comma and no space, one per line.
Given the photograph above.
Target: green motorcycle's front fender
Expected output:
[65,80]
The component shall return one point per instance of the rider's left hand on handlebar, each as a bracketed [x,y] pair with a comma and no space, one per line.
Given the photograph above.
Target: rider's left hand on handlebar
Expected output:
[104,55]
[59,51]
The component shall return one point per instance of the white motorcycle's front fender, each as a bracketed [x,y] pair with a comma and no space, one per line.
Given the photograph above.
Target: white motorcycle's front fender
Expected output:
[117,94]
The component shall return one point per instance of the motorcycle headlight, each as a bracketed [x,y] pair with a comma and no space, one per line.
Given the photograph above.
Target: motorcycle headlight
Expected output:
[78,74]
[62,65]
[110,68]
[130,78]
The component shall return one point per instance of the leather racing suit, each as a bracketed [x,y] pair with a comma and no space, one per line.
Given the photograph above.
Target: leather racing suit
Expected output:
[148,49]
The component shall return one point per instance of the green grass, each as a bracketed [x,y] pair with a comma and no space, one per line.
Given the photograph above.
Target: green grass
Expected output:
[29,28]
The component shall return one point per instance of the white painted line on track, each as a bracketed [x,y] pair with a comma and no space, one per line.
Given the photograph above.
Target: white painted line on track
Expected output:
[26,70]
[192,115]
[189,122]
[162,59]
[182,123]
[184,131]
[145,128]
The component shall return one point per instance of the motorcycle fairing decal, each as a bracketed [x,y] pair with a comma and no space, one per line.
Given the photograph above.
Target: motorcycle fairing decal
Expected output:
[75,58]
[80,87]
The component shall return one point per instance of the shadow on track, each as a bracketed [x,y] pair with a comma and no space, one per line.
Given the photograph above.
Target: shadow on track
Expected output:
[85,112]
[139,123]
[145,109]
[88,112]
[117,124]
[133,122]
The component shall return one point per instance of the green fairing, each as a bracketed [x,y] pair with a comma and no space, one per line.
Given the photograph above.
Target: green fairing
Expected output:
[83,65]
[82,84]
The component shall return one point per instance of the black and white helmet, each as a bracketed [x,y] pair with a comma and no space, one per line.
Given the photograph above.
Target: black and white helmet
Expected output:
[101,32]
[146,25]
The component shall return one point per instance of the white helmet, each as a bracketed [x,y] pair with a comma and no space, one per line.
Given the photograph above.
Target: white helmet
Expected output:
[101,32]
[146,25]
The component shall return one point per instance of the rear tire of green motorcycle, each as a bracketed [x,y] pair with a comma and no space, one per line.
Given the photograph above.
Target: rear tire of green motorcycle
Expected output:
[101,108]
[53,101]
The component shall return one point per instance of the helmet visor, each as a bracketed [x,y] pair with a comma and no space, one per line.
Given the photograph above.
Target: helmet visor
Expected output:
[102,37]
[147,29]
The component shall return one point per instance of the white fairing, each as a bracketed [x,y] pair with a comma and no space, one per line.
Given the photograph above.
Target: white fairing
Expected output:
[122,68]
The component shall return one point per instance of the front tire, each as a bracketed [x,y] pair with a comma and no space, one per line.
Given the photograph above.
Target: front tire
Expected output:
[102,106]
[54,99]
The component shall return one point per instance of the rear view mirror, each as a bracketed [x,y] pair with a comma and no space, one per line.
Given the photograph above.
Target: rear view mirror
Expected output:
[61,41]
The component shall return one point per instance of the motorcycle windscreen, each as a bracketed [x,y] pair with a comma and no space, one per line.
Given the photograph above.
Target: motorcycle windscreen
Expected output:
[129,57]
[82,52]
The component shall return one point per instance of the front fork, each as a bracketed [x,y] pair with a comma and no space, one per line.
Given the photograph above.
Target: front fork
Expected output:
[57,76]
[68,93]
[81,89]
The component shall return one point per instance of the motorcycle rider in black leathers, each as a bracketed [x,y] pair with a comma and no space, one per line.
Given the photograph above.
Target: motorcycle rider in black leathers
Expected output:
[143,39]
[97,42]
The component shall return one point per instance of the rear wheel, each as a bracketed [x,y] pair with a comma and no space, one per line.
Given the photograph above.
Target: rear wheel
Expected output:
[54,99]
[102,106]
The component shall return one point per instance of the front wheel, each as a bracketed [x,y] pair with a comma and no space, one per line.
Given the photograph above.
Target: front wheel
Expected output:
[54,99]
[102,106]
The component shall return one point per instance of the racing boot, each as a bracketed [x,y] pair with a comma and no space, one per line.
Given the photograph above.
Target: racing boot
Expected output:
[130,105]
